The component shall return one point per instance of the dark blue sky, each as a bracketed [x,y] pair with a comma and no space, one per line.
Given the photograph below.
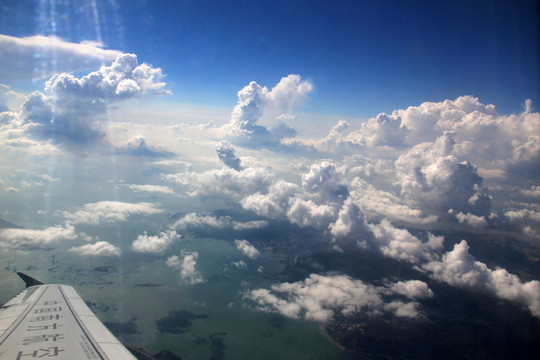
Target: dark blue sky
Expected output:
[362,57]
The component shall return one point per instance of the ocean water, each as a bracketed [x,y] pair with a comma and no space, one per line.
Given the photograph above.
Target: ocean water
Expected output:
[148,305]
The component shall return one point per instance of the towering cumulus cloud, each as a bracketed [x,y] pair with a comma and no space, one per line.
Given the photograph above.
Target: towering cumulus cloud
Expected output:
[431,177]
[256,103]
[68,109]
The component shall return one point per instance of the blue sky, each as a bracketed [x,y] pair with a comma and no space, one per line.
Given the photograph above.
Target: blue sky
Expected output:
[361,57]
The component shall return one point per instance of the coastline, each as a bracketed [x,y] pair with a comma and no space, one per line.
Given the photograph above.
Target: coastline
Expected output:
[324,333]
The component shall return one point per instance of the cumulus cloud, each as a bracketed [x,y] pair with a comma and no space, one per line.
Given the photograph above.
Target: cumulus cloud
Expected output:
[319,202]
[109,212]
[321,297]
[402,245]
[256,102]
[434,179]
[9,100]
[273,203]
[39,57]
[13,238]
[350,222]
[100,248]
[383,130]
[247,249]
[534,191]
[475,126]
[155,244]
[471,219]
[193,221]
[333,141]
[377,204]
[68,110]
[138,146]
[402,309]
[225,183]
[186,265]
[523,214]
[225,151]
[461,269]
[308,213]
[413,289]
[325,179]
[239,264]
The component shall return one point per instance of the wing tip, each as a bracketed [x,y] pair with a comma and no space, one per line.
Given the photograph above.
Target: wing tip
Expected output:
[29,281]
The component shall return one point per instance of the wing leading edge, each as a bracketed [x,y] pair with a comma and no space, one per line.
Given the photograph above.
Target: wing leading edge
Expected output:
[52,321]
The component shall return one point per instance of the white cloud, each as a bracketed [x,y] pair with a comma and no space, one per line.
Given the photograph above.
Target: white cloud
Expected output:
[401,309]
[402,245]
[186,265]
[272,204]
[377,204]
[239,264]
[28,238]
[474,125]
[109,212]
[249,225]
[320,297]
[138,146]
[533,192]
[68,110]
[151,189]
[247,249]
[308,213]
[154,244]
[472,220]
[383,130]
[196,221]
[432,178]
[100,248]
[9,100]
[413,289]
[38,57]
[225,183]
[225,151]
[459,268]
[256,103]
[523,214]
[350,222]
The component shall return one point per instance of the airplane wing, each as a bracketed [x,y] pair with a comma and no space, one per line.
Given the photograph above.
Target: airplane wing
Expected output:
[52,321]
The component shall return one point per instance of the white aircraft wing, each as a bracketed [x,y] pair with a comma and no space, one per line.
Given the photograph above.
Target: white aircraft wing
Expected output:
[52,321]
